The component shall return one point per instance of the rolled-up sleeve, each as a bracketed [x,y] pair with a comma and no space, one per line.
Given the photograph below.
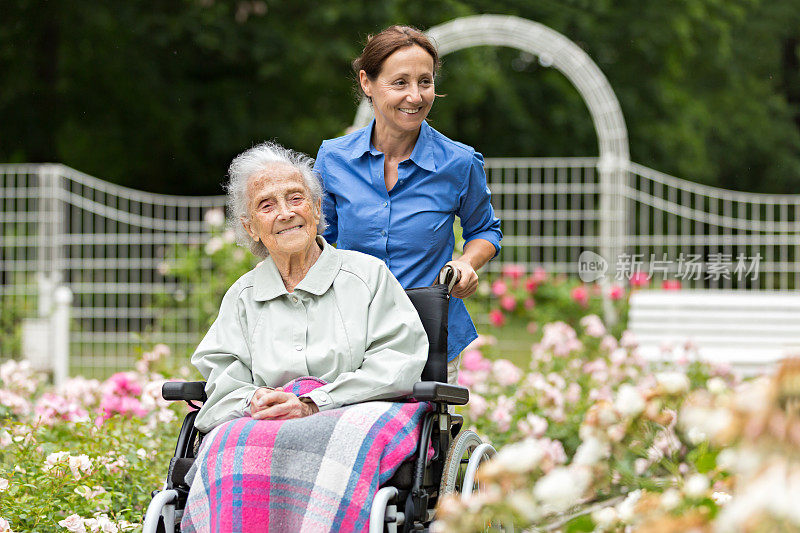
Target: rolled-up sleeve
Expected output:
[331,233]
[475,208]
[396,352]
[224,360]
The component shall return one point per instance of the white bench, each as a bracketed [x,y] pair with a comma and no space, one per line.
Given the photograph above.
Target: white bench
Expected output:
[751,330]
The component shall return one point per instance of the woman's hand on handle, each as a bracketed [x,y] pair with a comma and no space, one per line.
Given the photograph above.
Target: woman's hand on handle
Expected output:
[275,404]
[468,279]
[477,253]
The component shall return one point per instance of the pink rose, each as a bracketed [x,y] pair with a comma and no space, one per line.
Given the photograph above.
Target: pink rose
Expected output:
[124,383]
[497,318]
[505,372]
[580,295]
[477,406]
[513,271]
[466,379]
[531,285]
[474,361]
[499,287]
[501,415]
[532,426]
[615,292]
[539,275]
[671,285]
[639,279]
[508,302]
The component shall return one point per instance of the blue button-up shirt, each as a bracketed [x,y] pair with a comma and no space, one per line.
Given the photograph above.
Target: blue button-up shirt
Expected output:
[410,227]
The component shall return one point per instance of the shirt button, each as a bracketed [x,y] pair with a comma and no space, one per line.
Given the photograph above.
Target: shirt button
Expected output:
[383,232]
[385,204]
[298,348]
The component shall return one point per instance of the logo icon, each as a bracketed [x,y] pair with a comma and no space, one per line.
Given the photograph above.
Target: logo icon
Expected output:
[591,266]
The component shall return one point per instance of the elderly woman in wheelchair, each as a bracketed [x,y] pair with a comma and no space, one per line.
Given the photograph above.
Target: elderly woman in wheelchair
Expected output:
[294,437]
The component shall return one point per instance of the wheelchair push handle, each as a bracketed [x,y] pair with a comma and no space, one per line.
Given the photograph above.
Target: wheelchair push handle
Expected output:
[448,276]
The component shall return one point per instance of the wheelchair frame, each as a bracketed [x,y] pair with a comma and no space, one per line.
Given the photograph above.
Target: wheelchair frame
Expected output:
[416,499]
[416,493]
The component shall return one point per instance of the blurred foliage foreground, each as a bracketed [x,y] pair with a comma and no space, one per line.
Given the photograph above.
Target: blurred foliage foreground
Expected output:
[591,437]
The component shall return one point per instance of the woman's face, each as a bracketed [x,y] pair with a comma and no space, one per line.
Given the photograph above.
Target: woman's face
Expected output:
[283,215]
[403,92]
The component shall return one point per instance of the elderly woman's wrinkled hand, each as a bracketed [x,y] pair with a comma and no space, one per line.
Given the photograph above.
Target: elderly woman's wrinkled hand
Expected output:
[275,404]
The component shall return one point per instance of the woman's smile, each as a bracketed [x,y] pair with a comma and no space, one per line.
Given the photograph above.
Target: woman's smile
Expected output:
[290,229]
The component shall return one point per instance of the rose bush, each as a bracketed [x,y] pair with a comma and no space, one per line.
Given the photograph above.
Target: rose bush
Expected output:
[593,438]
[202,273]
[515,298]
[84,456]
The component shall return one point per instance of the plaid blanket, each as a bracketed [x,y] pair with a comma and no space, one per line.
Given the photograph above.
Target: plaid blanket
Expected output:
[318,473]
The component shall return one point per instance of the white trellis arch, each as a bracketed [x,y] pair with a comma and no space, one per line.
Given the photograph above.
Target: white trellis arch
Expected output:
[554,49]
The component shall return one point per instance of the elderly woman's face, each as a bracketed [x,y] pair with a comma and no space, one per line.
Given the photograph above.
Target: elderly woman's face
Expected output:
[282,213]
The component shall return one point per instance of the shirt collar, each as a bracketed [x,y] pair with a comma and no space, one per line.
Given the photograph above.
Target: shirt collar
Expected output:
[363,142]
[269,284]
[422,155]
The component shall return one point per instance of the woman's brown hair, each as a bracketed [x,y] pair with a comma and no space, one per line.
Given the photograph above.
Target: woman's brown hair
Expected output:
[387,42]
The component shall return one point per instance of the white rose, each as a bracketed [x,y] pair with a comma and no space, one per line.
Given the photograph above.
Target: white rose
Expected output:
[53,459]
[214,245]
[73,523]
[625,510]
[716,385]
[590,452]
[629,401]
[673,382]
[696,436]
[521,457]
[726,459]
[605,517]
[524,504]
[80,463]
[214,217]
[106,525]
[561,488]
[670,499]
[3,484]
[702,423]
[721,498]
[696,486]
[4,525]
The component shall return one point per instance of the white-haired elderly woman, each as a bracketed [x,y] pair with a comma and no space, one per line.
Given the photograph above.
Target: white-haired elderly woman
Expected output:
[308,309]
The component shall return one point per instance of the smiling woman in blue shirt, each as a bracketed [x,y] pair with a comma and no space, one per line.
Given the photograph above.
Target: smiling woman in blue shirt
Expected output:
[393,189]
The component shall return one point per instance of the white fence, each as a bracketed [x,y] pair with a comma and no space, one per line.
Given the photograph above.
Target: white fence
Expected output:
[105,242]
[674,229]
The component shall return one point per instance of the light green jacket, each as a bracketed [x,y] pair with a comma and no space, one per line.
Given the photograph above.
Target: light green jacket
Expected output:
[348,322]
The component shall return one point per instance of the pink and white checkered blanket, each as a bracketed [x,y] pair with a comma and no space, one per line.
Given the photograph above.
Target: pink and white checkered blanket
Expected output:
[318,473]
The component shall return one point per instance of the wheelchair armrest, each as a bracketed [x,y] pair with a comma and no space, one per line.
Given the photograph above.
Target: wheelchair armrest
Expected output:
[436,391]
[184,390]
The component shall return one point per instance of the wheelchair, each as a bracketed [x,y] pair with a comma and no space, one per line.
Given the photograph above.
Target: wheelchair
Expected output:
[407,501]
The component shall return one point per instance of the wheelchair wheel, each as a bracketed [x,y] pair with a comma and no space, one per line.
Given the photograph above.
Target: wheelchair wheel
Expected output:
[467,452]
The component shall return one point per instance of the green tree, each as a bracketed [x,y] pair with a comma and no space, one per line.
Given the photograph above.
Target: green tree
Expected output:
[161,96]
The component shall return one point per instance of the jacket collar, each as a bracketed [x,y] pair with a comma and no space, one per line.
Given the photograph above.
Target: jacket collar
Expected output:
[422,155]
[269,284]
